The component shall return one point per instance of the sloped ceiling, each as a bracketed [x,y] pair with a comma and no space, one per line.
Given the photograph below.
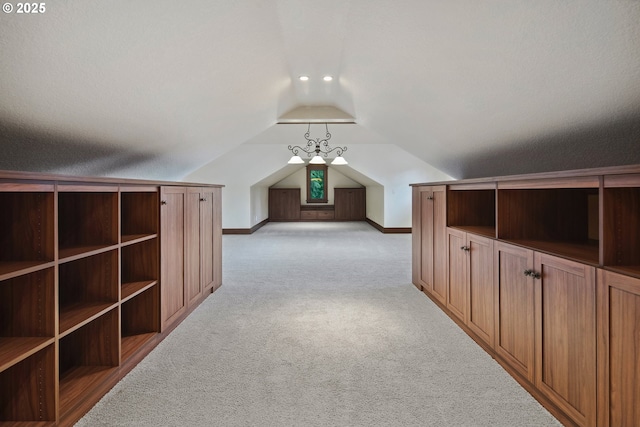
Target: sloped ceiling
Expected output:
[156,89]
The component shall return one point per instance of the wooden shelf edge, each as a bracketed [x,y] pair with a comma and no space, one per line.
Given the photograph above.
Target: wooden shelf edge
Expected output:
[485,231]
[21,348]
[131,239]
[89,313]
[132,289]
[585,254]
[76,253]
[10,270]
[627,270]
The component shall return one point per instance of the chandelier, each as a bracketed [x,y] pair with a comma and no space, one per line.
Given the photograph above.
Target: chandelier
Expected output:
[318,146]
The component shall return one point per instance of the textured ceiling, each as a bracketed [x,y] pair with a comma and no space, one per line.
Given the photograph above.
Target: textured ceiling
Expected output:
[157,89]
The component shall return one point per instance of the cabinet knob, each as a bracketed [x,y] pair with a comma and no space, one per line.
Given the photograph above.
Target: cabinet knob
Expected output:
[203,199]
[163,202]
[532,273]
[430,198]
[465,248]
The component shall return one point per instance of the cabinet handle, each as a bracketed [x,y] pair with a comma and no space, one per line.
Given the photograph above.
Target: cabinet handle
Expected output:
[465,248]
[532,273]
[163,202]
[203,199]
[430,198]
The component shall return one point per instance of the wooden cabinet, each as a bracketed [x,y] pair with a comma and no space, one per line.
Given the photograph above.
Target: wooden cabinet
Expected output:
[565,324]
[470,282]
[350,204]
[618,349]
[575,352]
[189,217]
[317,213]
[429,240]
[284,204]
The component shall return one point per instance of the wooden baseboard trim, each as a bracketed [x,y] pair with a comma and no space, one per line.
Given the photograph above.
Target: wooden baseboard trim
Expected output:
[390,230]
[245,230]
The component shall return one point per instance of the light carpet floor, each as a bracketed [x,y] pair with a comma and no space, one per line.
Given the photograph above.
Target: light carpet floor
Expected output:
[317,324]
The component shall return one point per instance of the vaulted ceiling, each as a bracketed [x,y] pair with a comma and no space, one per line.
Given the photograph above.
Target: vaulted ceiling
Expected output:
[157,89]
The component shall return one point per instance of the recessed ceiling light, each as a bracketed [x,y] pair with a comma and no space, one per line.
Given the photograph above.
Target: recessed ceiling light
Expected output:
[304,78]
[327,78]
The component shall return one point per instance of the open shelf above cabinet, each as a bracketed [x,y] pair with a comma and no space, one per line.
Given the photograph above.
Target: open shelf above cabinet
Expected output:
[472,209]
[622,224]
[561,221]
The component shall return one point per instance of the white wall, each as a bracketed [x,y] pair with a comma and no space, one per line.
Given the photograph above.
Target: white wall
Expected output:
[248,171]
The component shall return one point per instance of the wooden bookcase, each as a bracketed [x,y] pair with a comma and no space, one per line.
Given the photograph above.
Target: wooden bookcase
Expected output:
[80,288]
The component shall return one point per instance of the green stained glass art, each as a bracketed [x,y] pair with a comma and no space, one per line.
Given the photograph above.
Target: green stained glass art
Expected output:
[317,184]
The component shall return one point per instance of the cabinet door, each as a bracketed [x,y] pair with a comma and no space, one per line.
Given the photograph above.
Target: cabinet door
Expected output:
[480,311]
[416,238]
[430,240]
[618,350]
[439,253]
[350,204]
[425,203]
[284,204]
[192,284]
[566,335]
[206,239]
[172,208]
[217,236]
[514,307]
[457,273]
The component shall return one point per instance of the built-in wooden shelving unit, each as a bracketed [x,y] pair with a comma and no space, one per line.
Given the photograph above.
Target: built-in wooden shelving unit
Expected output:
[80,299]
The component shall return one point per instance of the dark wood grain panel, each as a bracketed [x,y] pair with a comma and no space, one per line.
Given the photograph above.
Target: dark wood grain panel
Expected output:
[172,254]
[514,308]
[480,283]
[28,389]
[139,213]
[457,273]
[439,242]
[217,237]
[472,208]
[206,232]
[618,350]
[27,227]
[621,224]
[85,283]
[27,305]
[566,336]
[192,245]
[15,349]
[284,204]
[350,204]
[139,263]
[87,219]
